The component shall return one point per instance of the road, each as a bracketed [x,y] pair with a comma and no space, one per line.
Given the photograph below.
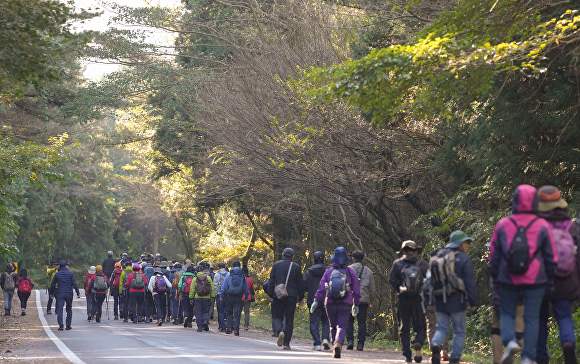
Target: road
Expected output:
[113,341]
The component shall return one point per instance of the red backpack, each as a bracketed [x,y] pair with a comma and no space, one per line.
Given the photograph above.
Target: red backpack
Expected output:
[186,285]
[25,286]
[117,280]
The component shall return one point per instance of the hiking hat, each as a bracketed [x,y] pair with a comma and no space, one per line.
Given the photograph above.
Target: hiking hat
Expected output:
[118,265]
[409,244]
[177,266]
[63,263]
[550,199]
[288,252]
[318,256]
[187,262]
[457,238]
[92,269]
[143,265]
[136,266]
[236,264]
[99,268]
[163,264]
[340,256]
[199,268]
[221,265]
[190,269]
[158,270]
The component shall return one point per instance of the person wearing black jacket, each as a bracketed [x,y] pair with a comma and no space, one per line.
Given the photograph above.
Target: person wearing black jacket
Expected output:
[62,286]
[109,264]
[287,273]
[311,281]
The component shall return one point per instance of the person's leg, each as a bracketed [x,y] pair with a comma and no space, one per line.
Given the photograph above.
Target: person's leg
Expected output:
[247,313]
[431,322]
[199,309]
[404,314]
[563,315]
[315,326]
[362,324]
[496,344]
[419,322]
[59,314]
[350,330]
[509,301]
[277,316]
[229,313]
[186,310]
[542,349]
[158,303]
[532,303]
[141,304]
[331,312]
[89,300]
[49,305]
[289,310]
[343,312]
[324,324]
[442,328]
[100,300]
[133,298]
[68,301]
[221,311]
[206,311]
[238,305]
[8,295]
[459,332]
[115,302]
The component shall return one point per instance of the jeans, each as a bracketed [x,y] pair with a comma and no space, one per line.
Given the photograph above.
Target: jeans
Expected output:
[338,315]
[115,294]
[202,311]
[361,319]
[247,312]
[61,300]
[8,299]
[410,311]
[97,305]
[563,315]
[160,305]
[137,305]
[284,310]
[233,311]
[318,318]
[221,311]
[177,307]
[532,298]
[442,332]
[89,299]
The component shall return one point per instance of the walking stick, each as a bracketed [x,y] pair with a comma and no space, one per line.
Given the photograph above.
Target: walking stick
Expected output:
[107,299]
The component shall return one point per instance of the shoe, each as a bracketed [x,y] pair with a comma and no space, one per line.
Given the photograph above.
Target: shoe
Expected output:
[49,312]
[23,313]
[125,320]
[286,347]
[185,321]
[274,335]
[246,327]
[508,355]
[526,360]
[445,357]
[150,319]
[360,346]
[280,341]
[159,322]
[453,361]
[228,330]
[175,322]
[236,333]
[221,329]
[116,317]
[199,329]
[418,354]
[569,350]
[68,328]
[436,354]
[60,328]
[337,350]
[98,319]
[205,327]
[89,318]
[325,344]
[350,346]
[317,348]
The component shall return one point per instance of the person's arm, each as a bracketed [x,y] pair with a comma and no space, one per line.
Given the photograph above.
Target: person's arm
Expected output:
[394,278]
[212,294]
[224,286]
[468,274]
[272,281]
[355,287]
[321,287]
[151,284]
[52,285]
[76,286]
[192,288]
[548,252]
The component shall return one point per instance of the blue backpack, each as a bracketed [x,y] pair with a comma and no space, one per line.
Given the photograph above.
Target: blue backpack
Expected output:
[160,286]
[236,283]
[149,271]
[338,286]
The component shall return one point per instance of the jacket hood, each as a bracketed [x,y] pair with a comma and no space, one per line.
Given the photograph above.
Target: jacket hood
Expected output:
[411,258]
[188,274]
[317,270]
[525,199]
[118,270]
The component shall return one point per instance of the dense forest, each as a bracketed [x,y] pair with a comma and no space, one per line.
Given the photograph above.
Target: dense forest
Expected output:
[282,123]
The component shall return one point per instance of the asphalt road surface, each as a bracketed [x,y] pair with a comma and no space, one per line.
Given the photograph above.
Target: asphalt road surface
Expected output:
[113,341]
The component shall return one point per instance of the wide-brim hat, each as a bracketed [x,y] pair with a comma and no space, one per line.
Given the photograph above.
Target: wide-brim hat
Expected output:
[158,270]
[457,238]
[550,199]
[92,269]
[409,244]
[163,264]
[340,256]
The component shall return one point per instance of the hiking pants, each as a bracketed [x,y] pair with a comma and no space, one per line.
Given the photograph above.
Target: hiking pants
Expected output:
[160,306]
[187,306]
[149,304]
[202,311]
[338,318]
[61,300]
[361,319]
[137,300]
[23,299]
[318,318]
[89,299]
[8,299]
[116,303]
[98,305]
[221,312]
[410,311]
[49,304]
[124,304]
[563,315]
[247,312]
[177,311]
[233,311]
[284,310]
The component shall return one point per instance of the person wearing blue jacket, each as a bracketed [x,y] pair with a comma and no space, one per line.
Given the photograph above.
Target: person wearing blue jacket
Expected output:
[231,293]
[63,283]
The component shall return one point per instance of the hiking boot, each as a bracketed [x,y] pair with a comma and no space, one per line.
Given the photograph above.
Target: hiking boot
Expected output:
[221,329]
[98,319]
[445,357]
[125,320]
[176,322]
[199,329]
[116,317]
[350,346]
[337,350]
[236,333]
[286,347]
[317,348]
[48,312]
[60,328]
[360,346]
[228,330]
[325,344]
[159,322]
[280,341]
[185,321]
[68,328]
[436,354]
[418,354]
[569,350]
[246,327]
[89,318]
[510,350]
[23,313]
[205,327]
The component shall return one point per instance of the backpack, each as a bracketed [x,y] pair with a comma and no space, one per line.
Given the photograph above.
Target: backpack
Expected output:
[202,285]
[338,287]
[518,255]
[99,284]
[160,286]
[138,281]
[443,277]
[149,271]
[186,285]
[24,286]
[9,282]
[412,279]
[565,248]
[236,283]
[117,280]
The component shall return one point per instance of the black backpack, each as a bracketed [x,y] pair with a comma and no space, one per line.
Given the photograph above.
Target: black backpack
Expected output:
[518,255]
[412,279]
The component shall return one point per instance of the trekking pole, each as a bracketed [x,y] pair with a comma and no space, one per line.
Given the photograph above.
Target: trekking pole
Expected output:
[107,299]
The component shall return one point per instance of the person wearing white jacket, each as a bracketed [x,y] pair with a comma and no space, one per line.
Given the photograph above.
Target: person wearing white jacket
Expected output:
[158,286]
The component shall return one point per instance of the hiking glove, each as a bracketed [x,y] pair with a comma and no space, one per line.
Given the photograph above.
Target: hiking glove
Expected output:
[313,307]
[354,310]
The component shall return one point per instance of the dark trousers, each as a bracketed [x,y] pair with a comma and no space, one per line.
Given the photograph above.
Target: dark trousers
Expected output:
[137,305]
[233,311]
[97,307]
[177,311]
[409,312]
[115,294]
[160,305]
[202,311]
[61,300]
[187,306]
[221,311]
[319,318]
[23,299]
[338,315]
[49,304]
[361,318]
[124,304]
[149,304]
[284,310]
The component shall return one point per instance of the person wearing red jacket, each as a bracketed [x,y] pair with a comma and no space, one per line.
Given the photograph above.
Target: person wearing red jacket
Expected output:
[98,293]
[248,299]
[88,294]
[136,283]
[115,280]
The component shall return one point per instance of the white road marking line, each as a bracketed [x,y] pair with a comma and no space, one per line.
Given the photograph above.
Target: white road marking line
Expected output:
[59,344]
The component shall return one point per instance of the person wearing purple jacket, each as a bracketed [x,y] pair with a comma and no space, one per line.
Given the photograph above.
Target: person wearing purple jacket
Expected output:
[338,310]
[533,282]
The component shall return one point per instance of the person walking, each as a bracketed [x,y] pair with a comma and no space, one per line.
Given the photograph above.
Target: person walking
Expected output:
[553,209]
[339,287]
[218,280]
[88,291]
[98,286]
[177,310]
[158,286]
[248,299]
[285,285]
[202,291]
[450,300]
[184,289]
[318,317]
[406,278]
[25,287]
[62,286]
[123,290]
[109,264]
[367,294]
[50,272]
[8,285]
[115,279]
[233,289]
[522,262]
[136,284]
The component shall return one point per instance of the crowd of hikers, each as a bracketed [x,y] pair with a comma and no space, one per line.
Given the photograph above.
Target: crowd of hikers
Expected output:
[532,265]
